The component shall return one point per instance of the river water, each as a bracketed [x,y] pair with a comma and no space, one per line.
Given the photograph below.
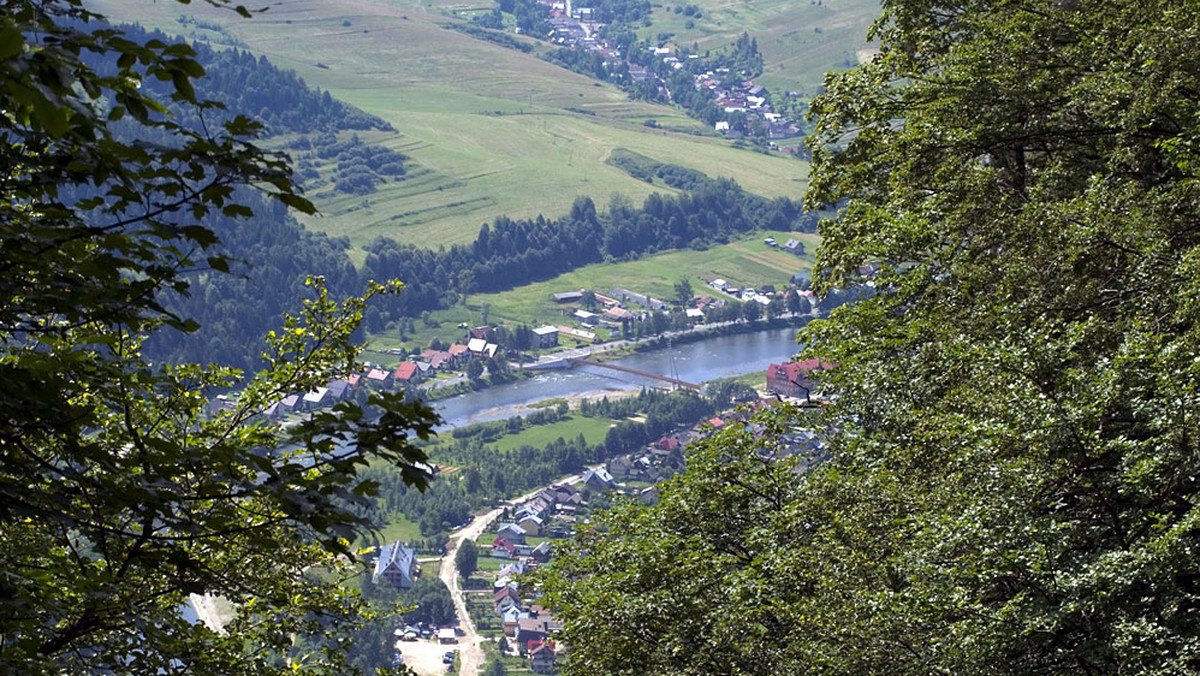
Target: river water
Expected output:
[703,360]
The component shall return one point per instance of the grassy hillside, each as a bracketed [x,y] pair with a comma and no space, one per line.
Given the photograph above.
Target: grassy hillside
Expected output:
[490,131]
[800,40]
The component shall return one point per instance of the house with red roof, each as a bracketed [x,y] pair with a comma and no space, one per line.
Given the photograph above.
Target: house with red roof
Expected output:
[407,373]
[794,379]
[503,549]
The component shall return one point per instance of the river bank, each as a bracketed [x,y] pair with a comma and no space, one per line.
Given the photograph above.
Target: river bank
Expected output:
[703,358]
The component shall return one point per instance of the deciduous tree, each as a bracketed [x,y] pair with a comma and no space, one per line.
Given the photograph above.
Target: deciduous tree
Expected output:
[1010,485]
[120,492]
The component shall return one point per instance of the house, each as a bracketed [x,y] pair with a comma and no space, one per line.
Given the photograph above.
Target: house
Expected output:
[355,379]
[317,398]
[503,549]
[447,635]
[396,564]
[458,353]
[537,627]
[598,478]
[221,403]
[667,444]
[564,492]
[504,598]
[476,346]
[649,496]
[379,378]
[339,390]
[541,553]
[794,246]
[289,403]
[616,314]
[545,336]
[793,378]
[484,332]
[407,373]
[509,571]
[511,532]
[532,524]
[541,657]
[510,618]
[694,313]
[619,466]
[585,316]
[719,284]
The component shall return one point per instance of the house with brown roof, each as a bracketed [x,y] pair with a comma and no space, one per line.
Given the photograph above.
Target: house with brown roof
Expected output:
[458,352]
[542,659]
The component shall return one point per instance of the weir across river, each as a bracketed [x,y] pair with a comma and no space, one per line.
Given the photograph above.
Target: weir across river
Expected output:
[644,374]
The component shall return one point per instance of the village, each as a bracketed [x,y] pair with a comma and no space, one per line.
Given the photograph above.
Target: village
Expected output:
[573,27]
[591,322]
[502,606]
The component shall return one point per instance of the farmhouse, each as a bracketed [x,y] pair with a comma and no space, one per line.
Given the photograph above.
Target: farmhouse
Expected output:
[396,564]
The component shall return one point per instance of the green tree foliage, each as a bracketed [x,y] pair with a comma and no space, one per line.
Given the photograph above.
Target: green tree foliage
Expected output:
[495,667]
[474,369]
[1011,488]
[466,558]
[683,291]
[119,493]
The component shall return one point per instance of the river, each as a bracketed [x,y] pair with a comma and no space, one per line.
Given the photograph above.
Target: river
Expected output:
[697,362]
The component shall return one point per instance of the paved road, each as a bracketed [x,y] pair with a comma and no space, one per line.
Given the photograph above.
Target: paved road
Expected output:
[470,644]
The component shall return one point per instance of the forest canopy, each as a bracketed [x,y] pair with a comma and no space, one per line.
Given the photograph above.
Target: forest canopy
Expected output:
[1012,479]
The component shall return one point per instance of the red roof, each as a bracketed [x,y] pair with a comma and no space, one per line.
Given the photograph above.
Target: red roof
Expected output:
[794,371]
[406,370]
[457,349]
[716,422]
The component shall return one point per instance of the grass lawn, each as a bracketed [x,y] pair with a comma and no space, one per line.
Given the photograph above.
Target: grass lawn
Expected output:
[592,429]
[491,563]
[400,528]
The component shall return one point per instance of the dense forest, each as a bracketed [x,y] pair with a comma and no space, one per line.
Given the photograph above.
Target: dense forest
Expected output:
[1011,485]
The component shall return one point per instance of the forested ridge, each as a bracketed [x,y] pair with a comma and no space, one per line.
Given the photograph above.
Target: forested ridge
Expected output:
[1011,485]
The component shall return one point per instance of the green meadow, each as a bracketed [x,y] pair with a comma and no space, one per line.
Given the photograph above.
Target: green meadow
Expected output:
[489,131]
